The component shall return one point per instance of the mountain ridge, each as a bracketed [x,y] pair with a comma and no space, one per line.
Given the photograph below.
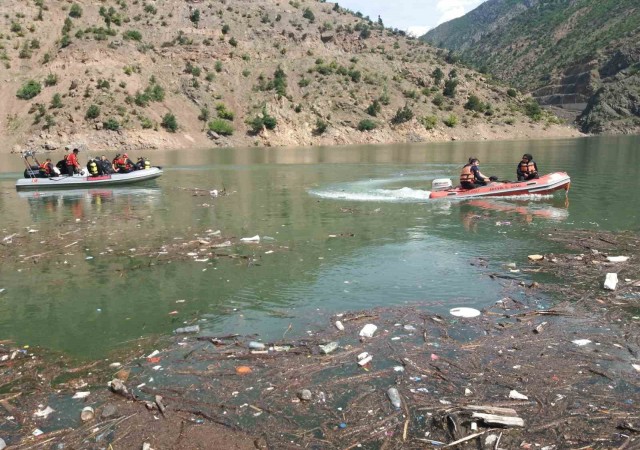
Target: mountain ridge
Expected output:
[174,73]
[579,55]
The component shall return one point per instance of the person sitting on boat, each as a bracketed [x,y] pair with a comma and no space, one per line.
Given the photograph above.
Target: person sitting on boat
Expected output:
[471,177]
[72,162]
[46,169]
[143,163]
[105,166]
[124,164]
[62,164]
[527,168]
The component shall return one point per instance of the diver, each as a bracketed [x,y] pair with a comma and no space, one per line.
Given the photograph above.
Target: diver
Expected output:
[143,163]
[527,168]
[105,166]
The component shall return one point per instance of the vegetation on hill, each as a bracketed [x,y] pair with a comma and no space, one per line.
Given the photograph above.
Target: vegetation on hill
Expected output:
[580,54]
[266,72]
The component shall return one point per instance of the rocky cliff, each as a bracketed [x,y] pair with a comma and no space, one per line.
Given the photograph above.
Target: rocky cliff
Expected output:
[578,55]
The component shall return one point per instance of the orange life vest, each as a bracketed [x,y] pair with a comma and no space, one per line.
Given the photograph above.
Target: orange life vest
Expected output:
[121,163]
[467,175]
[527,168]
[45,169]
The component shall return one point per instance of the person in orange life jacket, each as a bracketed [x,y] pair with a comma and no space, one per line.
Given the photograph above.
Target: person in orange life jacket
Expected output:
[72,162]
[527,168]
[471,177]
[124,164]
[46,169]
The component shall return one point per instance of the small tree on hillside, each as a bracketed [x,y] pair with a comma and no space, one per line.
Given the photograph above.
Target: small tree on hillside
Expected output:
[169,123]
[450,88]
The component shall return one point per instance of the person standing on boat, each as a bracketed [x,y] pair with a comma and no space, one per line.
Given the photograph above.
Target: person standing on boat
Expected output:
[46,169]
[527,168]
[72,162]
[471,177]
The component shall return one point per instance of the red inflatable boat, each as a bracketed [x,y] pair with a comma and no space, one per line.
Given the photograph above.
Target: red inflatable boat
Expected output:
[546,184]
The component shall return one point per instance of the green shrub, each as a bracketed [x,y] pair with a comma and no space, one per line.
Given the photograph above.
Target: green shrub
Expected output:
[111,124]
[56,101]
[429,122]
[218,66]
[103,84]
[321,127]
[374,108]
[474,104]
[29,90]
[169,123]
[223,112]
[366,125]
[92,112]
[533,110]
[437,75]
[450,87]
[195,17]
[308,14]
[225,29]
[512,93]
[265,120]
[402,115]
[146,123]
[132,35]
[233,42]
[204,114]
[438,100]
[304,82]
[65,41]
[451,121]
[280,82]
[51,80]
[222,127]
[75,11]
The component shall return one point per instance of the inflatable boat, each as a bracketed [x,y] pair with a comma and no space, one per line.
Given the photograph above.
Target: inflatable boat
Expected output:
[34,181]
[546,184]
[84,181]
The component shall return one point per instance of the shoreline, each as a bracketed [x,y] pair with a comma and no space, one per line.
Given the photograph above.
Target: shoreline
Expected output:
[447,370]
[107,141]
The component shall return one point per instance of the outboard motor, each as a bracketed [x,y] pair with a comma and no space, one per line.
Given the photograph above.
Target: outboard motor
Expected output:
[441,184]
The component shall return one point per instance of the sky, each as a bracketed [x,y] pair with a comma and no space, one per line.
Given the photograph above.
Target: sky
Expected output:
[414,16]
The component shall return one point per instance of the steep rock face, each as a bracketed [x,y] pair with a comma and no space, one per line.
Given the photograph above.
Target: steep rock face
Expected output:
[564,53]
[117,73]
[462,33]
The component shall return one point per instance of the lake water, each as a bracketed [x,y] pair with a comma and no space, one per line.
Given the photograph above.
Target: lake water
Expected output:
[341,229]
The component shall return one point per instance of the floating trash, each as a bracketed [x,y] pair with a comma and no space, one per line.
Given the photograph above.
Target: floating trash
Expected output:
[464,312]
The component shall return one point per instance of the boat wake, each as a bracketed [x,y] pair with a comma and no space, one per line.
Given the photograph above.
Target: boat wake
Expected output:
[372,191]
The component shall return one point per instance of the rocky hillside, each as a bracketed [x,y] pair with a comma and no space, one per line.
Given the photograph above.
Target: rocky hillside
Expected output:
[579,55]
[173,73]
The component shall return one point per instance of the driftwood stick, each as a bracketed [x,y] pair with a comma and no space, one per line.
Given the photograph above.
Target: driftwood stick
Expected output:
[499,420]
[465,439]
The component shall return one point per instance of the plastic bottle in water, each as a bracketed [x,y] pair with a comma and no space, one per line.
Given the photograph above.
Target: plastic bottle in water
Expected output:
[394,397]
